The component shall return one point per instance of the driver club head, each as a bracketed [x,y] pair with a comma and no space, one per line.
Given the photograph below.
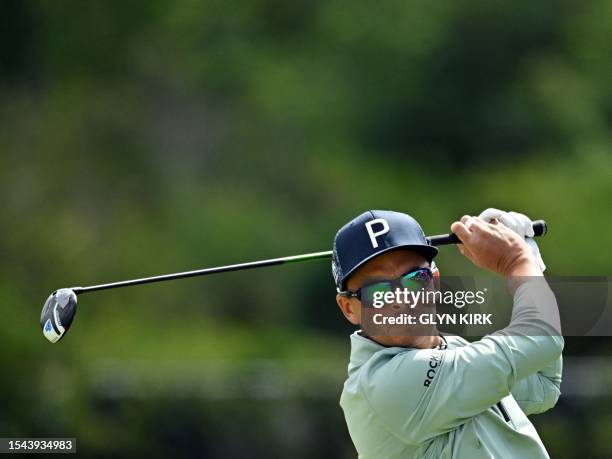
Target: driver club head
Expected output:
[57,314]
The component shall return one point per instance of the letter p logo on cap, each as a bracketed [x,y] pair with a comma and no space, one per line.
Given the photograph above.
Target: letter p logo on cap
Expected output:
[373,235]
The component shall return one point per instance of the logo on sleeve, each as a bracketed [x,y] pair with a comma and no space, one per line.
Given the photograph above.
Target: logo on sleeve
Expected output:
[432,367]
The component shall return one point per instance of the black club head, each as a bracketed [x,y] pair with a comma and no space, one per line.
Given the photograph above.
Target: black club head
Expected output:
[57,314]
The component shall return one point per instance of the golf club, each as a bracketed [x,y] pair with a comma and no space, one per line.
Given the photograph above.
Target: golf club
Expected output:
[60,308]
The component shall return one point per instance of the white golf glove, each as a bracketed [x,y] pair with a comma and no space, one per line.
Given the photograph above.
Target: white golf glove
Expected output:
[520,224]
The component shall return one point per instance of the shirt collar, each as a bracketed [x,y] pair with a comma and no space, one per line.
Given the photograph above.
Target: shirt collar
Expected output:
[362,348]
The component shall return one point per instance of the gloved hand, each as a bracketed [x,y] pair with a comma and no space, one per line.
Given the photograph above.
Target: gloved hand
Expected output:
[520,224]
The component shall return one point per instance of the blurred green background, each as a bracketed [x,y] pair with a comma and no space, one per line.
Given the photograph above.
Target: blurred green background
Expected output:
[139,138]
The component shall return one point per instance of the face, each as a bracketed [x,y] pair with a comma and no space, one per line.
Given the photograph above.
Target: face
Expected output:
[390,265]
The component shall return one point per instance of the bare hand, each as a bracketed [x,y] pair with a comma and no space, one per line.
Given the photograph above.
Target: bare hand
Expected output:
[495,247]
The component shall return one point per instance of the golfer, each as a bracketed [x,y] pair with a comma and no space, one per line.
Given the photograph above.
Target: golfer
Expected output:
[429,395]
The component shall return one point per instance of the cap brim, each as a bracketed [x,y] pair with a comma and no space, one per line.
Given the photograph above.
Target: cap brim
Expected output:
[429,251]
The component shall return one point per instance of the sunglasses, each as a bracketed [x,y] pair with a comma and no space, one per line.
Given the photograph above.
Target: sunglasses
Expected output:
[414,280]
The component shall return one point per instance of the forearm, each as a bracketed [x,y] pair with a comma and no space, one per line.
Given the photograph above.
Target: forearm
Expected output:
[532,340]
[535,311]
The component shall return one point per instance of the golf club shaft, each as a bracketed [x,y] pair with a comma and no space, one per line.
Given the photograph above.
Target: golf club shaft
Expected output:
[205,271]
[539,228]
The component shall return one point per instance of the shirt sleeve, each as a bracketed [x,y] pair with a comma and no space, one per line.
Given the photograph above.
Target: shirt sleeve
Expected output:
[540,391]
[419,394]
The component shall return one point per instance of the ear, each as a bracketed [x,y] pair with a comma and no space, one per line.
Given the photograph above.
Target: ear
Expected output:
[350,308]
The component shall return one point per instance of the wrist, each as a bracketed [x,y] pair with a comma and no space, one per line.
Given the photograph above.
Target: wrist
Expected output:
[523,266]
[524,269]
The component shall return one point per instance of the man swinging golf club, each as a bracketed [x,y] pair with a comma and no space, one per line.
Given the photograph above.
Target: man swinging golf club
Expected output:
[427,395]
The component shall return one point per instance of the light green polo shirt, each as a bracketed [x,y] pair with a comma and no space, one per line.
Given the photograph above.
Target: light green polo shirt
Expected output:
[460,400]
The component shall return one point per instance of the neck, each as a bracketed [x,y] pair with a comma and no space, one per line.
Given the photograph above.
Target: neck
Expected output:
[418,342]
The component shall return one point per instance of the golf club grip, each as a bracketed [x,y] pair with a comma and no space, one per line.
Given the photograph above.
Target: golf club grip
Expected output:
[539,229]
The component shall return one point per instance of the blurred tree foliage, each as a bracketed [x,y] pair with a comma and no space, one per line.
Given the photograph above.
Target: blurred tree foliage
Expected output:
[145,137]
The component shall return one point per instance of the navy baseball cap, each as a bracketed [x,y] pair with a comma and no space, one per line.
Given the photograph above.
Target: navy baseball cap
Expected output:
[371,234]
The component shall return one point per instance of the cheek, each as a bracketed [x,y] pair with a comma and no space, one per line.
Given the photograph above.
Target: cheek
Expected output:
[356,306]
